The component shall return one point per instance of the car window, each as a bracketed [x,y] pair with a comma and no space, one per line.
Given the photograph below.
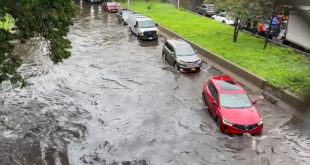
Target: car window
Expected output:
[213,90]
[169,47]
[146,24]
[204,6]
[185,51]
[222,14]
[235,101]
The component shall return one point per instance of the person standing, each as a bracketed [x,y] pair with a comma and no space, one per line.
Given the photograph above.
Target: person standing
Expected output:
[261,29]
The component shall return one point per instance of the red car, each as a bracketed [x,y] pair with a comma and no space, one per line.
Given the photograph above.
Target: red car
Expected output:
[110,7]
[231,107]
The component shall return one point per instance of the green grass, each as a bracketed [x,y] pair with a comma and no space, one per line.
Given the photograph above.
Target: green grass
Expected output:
[8,23]
[282,67]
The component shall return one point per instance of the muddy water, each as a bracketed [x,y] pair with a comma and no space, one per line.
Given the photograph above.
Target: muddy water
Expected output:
[115,101]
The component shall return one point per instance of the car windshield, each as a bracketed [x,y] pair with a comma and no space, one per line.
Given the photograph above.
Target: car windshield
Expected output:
[185,51]
[235,101]
[146,24]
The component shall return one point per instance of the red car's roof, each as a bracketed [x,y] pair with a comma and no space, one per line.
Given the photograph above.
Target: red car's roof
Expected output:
[225,84]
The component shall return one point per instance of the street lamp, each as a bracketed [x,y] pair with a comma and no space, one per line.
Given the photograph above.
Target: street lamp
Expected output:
[128,4]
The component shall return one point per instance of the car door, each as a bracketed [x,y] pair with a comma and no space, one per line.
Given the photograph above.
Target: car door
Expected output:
[203,9]
[165,49]
[219,17]
[212,98]
[135,29]
[119,16]
[222,17]
[170,54]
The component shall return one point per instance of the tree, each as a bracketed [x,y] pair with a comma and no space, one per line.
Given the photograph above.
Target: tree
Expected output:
[242,11]
[49,19]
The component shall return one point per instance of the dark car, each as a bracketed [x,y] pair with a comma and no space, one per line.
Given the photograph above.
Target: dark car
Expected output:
[123,15]
[206,10]
[181,55]
[110,7]
[231,107]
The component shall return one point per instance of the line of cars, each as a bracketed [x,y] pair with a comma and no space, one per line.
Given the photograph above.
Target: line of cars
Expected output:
[226,100]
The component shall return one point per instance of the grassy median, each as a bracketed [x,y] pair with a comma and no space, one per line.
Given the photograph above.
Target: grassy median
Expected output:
[280,66]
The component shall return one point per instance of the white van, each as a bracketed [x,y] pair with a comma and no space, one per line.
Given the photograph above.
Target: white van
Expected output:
[142,26]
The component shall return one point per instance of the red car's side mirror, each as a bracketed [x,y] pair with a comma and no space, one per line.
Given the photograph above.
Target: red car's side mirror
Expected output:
[254,102]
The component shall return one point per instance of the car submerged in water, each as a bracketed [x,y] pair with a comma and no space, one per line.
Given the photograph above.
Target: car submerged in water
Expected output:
[110,7]
[143,27]
[181,55]
[231,107]
[123,15]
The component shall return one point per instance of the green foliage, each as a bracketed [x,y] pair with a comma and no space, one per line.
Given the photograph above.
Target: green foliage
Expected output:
[280,66]
[44,18]
[7,23]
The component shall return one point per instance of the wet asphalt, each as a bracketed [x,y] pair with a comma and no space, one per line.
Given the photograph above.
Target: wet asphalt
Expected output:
[116,101]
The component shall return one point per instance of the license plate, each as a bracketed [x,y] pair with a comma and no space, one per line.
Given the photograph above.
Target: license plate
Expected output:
[150,38]
[193,69]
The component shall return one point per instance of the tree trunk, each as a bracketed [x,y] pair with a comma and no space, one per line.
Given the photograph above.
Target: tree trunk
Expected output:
[236,32]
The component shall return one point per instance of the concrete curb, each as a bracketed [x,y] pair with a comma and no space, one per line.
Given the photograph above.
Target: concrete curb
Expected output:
[273,94]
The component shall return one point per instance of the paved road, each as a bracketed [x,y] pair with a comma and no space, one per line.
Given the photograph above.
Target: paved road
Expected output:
[115,101]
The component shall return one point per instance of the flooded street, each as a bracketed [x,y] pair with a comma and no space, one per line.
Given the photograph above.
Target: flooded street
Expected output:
[117,102]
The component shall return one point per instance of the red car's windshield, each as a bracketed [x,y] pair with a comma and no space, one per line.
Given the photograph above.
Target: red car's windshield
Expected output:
[236,101]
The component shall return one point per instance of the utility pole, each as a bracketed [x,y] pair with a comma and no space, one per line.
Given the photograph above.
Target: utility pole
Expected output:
[178,4]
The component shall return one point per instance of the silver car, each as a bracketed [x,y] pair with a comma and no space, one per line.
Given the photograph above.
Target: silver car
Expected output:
[181,55]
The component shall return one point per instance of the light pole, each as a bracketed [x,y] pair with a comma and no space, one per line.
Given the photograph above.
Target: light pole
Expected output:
[128,4]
